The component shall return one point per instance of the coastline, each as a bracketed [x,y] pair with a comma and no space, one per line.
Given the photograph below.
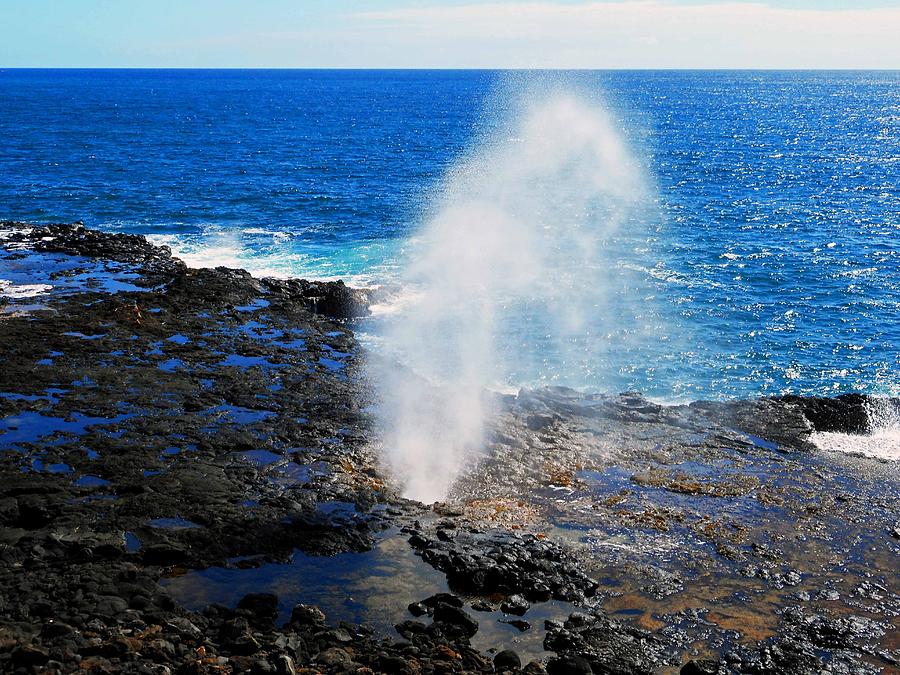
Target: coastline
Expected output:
[160,420]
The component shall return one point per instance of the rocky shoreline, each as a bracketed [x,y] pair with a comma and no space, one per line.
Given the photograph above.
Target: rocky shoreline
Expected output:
[190,485]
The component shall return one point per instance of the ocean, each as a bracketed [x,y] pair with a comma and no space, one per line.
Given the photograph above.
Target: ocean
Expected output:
[763,256]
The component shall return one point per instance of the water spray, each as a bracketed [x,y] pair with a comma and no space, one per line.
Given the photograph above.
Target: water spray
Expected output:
[513,270]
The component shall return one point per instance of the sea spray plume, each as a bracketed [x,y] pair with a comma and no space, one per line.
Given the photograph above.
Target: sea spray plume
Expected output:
[883,416]
[516,243]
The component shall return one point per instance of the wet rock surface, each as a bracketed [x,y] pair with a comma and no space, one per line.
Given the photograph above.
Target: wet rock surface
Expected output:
[162,428]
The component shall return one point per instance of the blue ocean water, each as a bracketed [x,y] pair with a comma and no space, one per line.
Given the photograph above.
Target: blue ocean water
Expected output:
[771,265]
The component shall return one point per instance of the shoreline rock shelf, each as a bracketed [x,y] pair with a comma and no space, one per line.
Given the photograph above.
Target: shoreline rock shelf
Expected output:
[160,424]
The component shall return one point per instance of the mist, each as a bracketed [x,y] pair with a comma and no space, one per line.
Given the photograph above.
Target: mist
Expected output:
[511,271]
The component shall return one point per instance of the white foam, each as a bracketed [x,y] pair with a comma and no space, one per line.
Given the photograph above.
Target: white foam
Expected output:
[5,235]
[216,246]
[883,441]
[258,230]
[220,250]
[882,444]
[10,290]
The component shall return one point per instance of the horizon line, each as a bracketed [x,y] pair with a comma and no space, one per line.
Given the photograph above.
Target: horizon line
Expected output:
[472,69]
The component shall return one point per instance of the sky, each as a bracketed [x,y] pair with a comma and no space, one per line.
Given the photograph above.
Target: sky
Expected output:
[450,34]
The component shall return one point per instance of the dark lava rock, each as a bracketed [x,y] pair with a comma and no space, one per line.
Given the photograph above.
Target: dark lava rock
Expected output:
[515,604]
[507,660]
[307,615]
[569,665]
[29,655]
[700,667]
[445,598]
[329,298]
[33,512]
[410,629]
[500,562]
[76,239]
[844,414]
[164,554]
[393,664]
[262,607]
[56,629]
[608,645]
[444,613]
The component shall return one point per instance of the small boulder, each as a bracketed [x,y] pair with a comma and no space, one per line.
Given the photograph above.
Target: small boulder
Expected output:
[444,613]
[507,660]
[520,624]
[393,664]
[445,598]
[700,667]
[515,604]
[409,629]
[335,658]
[307,615]
[568,665]
[262,607]
[534,668]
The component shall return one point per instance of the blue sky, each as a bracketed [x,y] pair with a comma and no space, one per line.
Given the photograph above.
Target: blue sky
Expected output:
[450,33]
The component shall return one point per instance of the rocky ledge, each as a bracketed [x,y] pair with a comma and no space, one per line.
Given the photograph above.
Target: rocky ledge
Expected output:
[189,484]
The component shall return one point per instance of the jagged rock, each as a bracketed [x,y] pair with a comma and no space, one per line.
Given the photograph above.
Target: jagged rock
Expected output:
[609,644]
[845,413]
[284,665]
[305,615]
[329,298]
[393,664]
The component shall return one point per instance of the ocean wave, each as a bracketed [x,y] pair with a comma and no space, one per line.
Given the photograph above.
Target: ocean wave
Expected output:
[223,254]
[361,264]
[883,444]
[882,441]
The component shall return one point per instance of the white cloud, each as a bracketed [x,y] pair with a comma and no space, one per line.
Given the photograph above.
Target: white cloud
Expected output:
[642,33]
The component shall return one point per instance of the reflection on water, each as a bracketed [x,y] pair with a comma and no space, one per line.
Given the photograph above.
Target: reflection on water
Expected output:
[374,587]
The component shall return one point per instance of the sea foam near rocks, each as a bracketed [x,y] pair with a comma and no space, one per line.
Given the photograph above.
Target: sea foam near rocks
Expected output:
[882,441]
